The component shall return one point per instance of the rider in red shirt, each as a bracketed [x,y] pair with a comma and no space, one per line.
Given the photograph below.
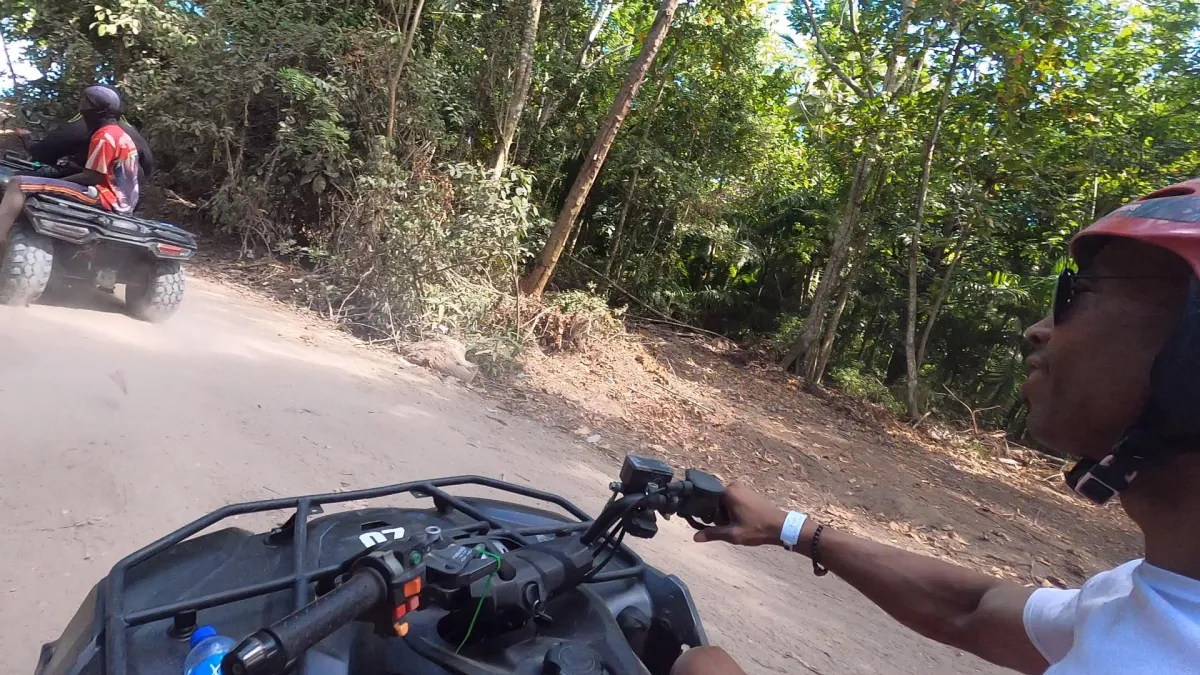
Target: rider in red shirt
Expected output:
[113,155]
[110,178]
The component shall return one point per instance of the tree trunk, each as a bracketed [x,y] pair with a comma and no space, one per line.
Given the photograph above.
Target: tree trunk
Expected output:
[943,293]
[637,278]
[839,249]
[620,229]
[575,239]
[511,116]
[831,329]
[850,278]
[629,195]
[410,31]
[806,286]
[891,82]
[601,19]
[540,275]
[895,365]
[550,106]
[912,383]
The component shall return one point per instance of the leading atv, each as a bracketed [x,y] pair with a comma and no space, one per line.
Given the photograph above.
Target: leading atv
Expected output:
[61,240]
[470,586]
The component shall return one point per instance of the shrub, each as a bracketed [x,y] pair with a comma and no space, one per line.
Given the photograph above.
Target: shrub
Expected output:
[866,387]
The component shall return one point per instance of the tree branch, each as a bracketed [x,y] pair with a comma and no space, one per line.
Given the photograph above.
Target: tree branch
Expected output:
[864,60]
[662,318]
[841,74]
[889,78]
[601,19]
[943,293]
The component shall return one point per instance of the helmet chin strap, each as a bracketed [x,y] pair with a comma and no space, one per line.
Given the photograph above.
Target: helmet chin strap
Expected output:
[1100,481]
[1169,423]
[1095,481]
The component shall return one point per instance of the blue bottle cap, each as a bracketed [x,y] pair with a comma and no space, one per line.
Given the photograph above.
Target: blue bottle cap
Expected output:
[202,633]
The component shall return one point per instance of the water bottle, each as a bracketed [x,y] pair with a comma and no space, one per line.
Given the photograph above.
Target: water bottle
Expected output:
[208,649]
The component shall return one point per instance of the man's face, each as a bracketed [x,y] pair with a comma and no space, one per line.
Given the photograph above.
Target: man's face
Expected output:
[88,111]
[1089,375]
[97,104]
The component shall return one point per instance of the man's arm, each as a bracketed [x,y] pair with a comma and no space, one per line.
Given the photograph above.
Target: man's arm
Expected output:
[69,140]
[86,177]
[955,606]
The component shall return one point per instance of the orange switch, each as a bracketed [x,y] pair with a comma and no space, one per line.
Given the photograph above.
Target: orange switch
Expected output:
[401,629]
[412,588]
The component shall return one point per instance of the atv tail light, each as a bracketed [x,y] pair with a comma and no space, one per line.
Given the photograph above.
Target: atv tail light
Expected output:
[74,232]
[170,250]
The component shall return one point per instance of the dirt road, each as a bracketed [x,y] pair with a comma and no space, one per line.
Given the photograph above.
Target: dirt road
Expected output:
[116,432]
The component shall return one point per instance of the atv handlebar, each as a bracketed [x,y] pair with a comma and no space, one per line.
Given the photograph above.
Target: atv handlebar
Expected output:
[696,498]
[392,579]
[276,649]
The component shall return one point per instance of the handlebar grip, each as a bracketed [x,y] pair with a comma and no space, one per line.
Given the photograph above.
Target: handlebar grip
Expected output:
[705,500]
[309,625]
[274,649]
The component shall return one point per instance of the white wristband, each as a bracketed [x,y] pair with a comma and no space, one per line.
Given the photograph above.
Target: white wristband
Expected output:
[791,529]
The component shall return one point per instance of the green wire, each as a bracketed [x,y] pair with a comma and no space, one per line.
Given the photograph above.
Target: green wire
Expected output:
[478,608]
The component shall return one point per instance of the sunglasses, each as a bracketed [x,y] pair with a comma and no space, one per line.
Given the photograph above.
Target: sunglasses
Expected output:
[1064,295]
[1066,290]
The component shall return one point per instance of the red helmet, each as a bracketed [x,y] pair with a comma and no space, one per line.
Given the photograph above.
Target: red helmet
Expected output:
[1169,218]
[1169,423]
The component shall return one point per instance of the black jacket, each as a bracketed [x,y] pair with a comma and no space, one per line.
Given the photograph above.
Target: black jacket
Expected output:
[71,141]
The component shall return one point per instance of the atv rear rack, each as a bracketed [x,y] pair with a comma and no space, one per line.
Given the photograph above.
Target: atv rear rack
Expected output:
[118,621]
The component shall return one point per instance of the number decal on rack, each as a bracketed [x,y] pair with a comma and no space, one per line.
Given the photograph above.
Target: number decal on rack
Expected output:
[370,539]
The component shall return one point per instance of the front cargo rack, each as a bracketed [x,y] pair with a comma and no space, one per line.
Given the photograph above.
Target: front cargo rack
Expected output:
[118,621]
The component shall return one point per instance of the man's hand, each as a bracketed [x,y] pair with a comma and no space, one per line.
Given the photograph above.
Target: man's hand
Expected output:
[753,521]
[48,171]
[955,606]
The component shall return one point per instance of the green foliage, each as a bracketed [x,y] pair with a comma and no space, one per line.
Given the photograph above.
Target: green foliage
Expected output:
[432,248]
[721,194]
[866,387]
[787,332]
[582,302]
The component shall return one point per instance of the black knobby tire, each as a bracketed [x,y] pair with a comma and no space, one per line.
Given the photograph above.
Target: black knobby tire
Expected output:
[160,293]
[25,265]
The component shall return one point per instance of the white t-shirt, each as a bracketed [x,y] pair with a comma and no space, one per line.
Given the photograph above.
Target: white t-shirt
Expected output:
[1137,619]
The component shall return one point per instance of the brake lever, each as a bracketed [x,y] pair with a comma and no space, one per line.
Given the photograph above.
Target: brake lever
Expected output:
[720,518]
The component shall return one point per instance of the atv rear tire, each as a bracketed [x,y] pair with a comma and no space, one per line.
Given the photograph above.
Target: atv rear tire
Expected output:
[25,265]
[156,297]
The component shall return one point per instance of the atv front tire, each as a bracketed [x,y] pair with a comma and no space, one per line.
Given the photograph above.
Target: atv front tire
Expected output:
[25,264]
[158,294]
